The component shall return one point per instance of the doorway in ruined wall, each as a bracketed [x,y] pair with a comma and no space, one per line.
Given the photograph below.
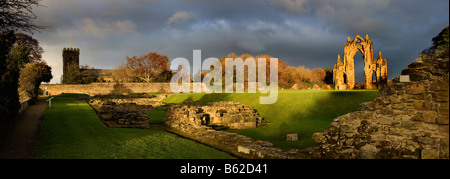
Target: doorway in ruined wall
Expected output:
[207,119]
[359,64]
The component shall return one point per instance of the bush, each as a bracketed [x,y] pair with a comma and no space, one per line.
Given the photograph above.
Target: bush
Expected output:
[89,79]
[72,75]
[31,77]
[12,59]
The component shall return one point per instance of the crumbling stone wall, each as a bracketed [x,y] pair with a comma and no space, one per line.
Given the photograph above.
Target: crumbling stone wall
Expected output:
[189,120]
[120,112]
[406,120]
[223,114]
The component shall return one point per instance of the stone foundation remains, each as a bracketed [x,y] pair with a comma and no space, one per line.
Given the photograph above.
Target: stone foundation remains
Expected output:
[124,111]
[197,122]
[235,144]
[407,120]
[221,114]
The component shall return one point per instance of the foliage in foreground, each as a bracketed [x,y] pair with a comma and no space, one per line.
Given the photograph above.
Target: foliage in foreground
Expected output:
[12,59]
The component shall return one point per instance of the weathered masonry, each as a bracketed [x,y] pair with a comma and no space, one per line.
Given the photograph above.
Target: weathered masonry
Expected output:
[70,56]
[408,120]
[375,70]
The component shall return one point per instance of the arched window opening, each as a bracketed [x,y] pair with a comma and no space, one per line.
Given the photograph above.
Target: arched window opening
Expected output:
[374,77]
[345,78]
[359,65]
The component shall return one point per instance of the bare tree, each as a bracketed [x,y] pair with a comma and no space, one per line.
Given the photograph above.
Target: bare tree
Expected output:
[36,51]
[18,15]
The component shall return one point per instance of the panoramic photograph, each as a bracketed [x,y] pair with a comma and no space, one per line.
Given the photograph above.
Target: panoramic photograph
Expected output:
[222,79]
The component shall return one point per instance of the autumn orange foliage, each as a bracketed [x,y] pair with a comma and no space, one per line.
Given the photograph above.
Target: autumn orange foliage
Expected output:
[144,68]
[281,64]
[287,75]
[147,67]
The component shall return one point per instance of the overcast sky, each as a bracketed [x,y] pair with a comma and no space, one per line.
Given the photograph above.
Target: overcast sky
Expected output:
[300,32]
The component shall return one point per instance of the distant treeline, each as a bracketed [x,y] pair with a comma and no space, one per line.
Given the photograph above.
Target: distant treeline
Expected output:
[153,67]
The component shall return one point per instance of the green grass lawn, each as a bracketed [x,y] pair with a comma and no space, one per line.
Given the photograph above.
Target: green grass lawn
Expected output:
[302,111]
[157,116]
[72,130]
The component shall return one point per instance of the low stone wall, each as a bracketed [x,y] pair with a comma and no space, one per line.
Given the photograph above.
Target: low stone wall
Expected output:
[407,120]
[106,88]
[200,123]
[139,99]
[235,144]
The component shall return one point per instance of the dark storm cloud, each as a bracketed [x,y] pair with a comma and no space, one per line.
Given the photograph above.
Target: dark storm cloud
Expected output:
[301,32]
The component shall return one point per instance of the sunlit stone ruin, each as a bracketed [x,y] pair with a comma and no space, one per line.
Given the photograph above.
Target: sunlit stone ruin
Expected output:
[408,120]
[223,114]
[375,70]
[124,111]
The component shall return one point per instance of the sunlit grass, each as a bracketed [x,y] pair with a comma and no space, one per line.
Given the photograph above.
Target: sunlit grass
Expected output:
[301,111]
[71,129]
[157,116]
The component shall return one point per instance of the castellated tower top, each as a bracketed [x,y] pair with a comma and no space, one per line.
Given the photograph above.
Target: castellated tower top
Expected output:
[72,50]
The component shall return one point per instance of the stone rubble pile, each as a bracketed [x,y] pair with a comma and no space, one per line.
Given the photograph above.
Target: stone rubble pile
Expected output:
[407,120]
[122,114]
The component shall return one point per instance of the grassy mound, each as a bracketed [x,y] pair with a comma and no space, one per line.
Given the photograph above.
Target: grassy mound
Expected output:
[303,112]
[71,129]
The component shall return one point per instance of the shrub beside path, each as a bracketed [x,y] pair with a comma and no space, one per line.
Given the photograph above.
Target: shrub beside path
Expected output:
[19,136]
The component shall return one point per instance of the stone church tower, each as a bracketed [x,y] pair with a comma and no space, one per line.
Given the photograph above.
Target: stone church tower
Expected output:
[70,55]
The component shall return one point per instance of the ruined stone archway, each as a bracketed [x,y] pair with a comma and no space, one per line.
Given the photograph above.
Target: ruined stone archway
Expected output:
[379,65]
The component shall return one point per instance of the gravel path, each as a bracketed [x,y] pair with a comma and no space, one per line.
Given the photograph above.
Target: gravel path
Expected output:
[19,136]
